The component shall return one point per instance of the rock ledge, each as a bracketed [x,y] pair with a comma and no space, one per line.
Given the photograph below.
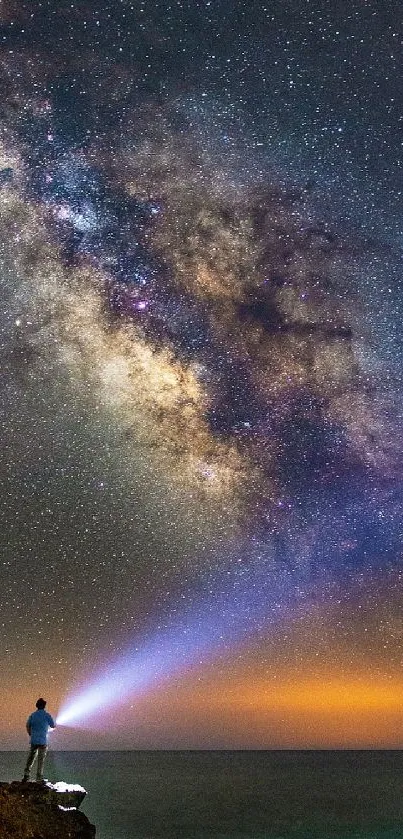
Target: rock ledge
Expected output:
[36,811]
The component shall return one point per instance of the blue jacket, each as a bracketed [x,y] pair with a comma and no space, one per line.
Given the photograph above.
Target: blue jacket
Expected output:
[38,725]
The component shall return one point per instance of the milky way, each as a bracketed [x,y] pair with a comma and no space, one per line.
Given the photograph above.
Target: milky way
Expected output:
[201,369]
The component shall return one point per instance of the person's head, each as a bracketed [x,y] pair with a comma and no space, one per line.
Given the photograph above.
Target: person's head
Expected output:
[41,703]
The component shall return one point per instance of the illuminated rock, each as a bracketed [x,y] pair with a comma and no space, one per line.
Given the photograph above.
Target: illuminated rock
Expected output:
[65,795]
[48,811]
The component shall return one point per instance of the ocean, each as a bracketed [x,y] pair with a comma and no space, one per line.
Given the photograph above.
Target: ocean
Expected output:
[233,794]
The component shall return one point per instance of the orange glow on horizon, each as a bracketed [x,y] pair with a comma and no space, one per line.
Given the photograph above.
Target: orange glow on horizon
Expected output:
[320,710]
[315,695]
[317,711]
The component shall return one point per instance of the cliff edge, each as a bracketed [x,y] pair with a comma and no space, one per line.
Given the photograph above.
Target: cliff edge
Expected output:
[36,811]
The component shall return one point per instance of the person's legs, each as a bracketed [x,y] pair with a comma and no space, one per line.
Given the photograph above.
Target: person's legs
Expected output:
[30,761]
[41,760]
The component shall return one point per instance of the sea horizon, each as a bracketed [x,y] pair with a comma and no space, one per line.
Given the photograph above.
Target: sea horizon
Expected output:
[229,749]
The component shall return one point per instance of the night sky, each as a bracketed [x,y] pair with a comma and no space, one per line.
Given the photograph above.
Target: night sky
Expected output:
[201,397]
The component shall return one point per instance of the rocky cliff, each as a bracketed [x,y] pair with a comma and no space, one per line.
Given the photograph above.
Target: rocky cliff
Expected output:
[36,811]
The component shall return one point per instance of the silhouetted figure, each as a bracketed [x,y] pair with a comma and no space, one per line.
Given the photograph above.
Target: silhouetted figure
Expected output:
[38,725]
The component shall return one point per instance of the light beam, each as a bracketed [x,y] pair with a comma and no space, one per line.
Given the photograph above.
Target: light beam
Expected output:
[244,606]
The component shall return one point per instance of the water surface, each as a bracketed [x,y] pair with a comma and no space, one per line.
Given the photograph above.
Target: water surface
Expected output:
[233,794]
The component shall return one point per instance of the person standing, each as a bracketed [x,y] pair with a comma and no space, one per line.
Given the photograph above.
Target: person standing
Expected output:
[38,725]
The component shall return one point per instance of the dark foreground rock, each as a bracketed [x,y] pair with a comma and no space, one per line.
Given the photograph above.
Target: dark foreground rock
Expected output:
[34,811]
